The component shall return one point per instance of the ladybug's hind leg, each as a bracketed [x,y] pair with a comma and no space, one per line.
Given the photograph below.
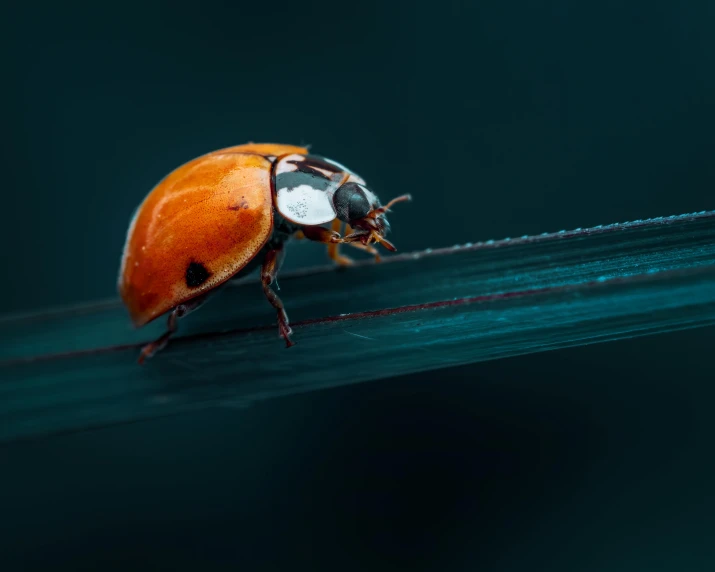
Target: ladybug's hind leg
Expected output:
[269,271]
[171,326]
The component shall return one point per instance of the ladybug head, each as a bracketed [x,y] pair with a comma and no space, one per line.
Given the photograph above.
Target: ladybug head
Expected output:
[358,206]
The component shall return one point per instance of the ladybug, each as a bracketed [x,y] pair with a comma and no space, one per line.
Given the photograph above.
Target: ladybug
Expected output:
[224,213]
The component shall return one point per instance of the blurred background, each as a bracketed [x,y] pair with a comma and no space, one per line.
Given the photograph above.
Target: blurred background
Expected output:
[502,119]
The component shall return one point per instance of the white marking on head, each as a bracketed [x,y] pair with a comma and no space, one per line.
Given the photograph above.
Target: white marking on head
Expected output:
[305,205]
[327,174]
[336,180]
[287,165]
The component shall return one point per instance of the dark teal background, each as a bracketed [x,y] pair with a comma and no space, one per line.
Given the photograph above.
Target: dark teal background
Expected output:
[502,119]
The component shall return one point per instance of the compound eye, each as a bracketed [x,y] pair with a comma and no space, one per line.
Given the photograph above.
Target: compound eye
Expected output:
[351,202]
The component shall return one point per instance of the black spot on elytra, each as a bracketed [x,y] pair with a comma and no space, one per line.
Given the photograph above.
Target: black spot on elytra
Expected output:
[196,275]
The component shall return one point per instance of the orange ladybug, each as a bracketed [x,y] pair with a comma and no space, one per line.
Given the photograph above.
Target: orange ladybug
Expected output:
[224,213]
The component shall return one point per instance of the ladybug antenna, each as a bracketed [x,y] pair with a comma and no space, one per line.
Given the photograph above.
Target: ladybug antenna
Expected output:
[386,208]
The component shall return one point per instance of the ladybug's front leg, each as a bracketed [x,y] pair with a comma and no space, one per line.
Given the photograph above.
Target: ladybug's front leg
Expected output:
[334,247]
[269,270]
[367,248]
[332,238]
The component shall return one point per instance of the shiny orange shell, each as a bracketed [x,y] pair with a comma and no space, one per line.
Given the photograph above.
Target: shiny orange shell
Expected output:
[213,213]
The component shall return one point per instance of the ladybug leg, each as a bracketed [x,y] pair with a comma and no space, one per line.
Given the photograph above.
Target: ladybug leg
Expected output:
[171,326]
[367,248]
[350,238]
[321,234]
[334,247]
[333,239]
[269,270]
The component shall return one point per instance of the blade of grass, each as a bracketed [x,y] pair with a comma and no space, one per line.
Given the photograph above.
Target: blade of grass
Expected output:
[75,368]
